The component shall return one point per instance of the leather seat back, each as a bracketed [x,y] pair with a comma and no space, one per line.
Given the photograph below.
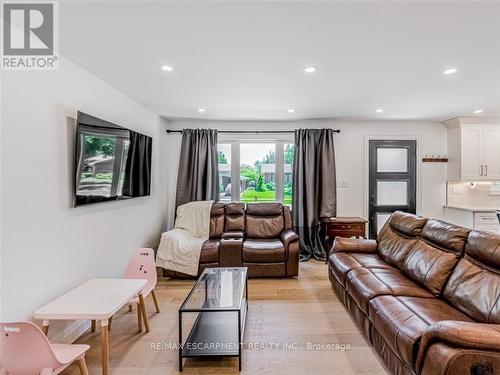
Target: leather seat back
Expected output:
[288,217]
[216,220]
[235,217]
[264,220]
[435,255]
[398,236]
[474,285]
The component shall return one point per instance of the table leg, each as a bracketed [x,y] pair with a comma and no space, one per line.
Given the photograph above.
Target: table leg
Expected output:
[45,327]
[143,310]
[157,306]
[92,326]
[180,341]
[105,347]
[139,318]
[239,340]
[83,367]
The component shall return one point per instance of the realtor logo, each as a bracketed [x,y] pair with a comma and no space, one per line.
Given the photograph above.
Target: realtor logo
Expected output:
[29,36]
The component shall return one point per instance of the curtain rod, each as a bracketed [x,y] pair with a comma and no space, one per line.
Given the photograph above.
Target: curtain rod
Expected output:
[248,131]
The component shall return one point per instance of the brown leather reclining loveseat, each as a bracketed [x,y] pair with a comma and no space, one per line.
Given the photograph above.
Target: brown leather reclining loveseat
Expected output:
[258,236]
[426,294]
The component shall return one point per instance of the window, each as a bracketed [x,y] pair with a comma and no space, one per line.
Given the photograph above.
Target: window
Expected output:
[264,171]
[224,160]
[289,153]
[258,172]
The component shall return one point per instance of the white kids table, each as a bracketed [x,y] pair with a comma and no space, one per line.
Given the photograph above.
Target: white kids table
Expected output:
[95,299]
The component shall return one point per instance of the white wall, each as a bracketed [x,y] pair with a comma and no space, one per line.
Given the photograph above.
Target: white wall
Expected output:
[350,147]
[48,247]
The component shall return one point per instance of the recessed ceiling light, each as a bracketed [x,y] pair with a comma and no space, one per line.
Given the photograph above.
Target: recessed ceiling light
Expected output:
[379,110]
[291,110]
[451,71]
[478,111]
[202,110]
[310,69]
[167,68]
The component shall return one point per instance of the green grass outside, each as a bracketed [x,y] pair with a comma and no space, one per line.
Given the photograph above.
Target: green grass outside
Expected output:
[262,196]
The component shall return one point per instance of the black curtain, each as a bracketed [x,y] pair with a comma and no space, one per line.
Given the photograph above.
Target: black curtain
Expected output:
[137,179]
[314,188]
[198,176]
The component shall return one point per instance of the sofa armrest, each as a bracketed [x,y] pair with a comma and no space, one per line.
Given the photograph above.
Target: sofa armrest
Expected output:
[353,245]
[462,335]
[232,234]
[230,252]
[287,237]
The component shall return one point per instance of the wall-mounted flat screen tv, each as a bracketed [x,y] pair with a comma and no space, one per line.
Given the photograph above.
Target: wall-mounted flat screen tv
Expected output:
[111,162]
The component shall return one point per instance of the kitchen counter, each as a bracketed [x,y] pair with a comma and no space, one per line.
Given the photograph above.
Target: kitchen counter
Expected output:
[473,209]
[479,218]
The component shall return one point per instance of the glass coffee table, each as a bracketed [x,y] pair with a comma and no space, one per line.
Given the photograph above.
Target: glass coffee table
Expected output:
[214,315]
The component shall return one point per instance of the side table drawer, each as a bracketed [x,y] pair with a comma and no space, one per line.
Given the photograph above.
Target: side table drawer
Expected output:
[359,228]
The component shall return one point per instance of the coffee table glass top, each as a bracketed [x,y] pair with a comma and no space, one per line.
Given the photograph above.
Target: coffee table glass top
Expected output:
[218,289]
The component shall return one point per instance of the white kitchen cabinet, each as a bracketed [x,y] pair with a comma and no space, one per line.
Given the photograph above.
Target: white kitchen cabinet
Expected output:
[471,147]
[491,151]
[473,150]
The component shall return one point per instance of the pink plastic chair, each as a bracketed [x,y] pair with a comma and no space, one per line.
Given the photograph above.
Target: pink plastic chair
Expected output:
[25,350]
[142,266]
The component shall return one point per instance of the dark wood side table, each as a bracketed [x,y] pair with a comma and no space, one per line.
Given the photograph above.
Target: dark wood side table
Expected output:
[331,227]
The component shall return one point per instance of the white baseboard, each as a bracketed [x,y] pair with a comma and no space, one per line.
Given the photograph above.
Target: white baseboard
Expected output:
[72,332]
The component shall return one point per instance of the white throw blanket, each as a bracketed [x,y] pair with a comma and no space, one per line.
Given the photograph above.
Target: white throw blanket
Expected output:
[180,248]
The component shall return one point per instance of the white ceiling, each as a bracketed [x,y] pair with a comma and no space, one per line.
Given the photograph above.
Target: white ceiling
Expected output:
[245,60]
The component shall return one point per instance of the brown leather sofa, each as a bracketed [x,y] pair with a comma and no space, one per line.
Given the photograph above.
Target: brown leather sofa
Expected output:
[270,247]
[258,236]
[426,294]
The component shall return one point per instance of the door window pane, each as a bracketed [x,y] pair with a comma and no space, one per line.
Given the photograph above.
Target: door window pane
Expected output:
[392,193]
[224,160]
[289,151]
[392,160]
[381,219]
[258,172]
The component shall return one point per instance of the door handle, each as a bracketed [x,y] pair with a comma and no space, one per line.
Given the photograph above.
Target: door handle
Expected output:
[486,170]
[481,173]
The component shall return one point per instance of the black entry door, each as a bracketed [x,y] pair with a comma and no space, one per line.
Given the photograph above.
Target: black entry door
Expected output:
[392,184]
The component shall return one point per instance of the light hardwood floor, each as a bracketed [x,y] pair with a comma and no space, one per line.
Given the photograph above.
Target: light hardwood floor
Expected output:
[301,311]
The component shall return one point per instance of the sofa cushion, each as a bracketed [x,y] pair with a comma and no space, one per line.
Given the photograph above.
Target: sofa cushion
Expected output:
[210,251]
[398,236]
[407,224]
[216,220]
[263,251]
[446,236]
[433,257]
[235,208]
[234,223]
[401,321]
[341,263]
[264,209]
[474,285]
[287,213]
[363,284]
[235,217]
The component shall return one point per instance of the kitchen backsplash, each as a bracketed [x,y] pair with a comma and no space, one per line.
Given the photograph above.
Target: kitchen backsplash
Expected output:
[475,194]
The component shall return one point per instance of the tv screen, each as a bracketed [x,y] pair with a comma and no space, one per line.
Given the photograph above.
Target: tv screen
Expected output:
[111,162]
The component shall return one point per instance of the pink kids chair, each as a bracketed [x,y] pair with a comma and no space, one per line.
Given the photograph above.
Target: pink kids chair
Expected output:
[142,266]
[25,350]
